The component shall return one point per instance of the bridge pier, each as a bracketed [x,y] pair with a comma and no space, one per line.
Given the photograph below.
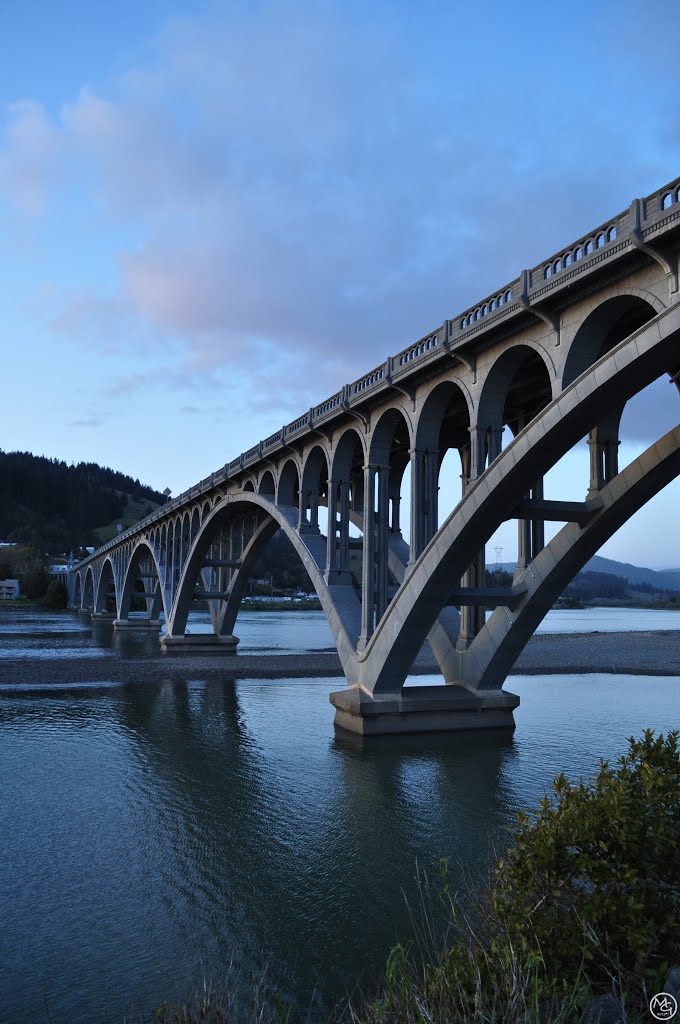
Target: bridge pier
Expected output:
[137,624]
[199,643]
[419,709]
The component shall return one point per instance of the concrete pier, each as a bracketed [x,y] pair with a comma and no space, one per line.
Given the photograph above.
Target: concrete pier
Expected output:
[200,643]
[423,709]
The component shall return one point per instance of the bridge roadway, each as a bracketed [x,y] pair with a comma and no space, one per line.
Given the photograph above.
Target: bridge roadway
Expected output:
[554,356]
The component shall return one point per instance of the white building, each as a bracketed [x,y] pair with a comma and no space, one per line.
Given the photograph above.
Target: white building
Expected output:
[9,590]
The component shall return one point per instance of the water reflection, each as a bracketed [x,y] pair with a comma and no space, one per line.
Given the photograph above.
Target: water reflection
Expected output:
[153,834]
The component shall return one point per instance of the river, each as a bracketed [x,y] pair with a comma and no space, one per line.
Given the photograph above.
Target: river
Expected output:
[154,835]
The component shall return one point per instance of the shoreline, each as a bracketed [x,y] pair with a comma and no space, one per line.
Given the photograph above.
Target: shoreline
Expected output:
[648,653]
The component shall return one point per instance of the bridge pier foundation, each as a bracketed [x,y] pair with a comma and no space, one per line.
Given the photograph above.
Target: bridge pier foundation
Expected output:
[423,709]
[103,616]
[199,643]
[137,624]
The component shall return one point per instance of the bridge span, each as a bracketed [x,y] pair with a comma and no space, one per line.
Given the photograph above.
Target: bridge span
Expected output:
[554,356]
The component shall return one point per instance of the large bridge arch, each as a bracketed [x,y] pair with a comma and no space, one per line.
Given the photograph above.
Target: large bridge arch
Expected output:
[615,377]
[494,651]
[343,617]
[143,551]
[107,578]
[89,589]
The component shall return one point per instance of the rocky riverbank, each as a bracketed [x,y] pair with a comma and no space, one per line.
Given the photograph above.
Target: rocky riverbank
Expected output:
[632,653]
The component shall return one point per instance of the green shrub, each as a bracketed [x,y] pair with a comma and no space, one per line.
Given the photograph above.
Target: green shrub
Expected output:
[594,875]
[586,901]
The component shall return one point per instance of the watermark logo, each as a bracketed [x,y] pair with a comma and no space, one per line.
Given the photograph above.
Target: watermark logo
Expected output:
[663,1006]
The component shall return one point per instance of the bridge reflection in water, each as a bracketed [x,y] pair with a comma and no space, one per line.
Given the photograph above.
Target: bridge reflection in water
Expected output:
[554,356]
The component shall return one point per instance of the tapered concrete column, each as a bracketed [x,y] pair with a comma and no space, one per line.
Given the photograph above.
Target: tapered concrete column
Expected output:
[331,539]
[596,464]
[611,459]
[495,442]
[417,503]
[314,511]
[344,527]
[537,525]
[478,451]
[431,494]
[382,552]
[472,618]
[303,501]
[337,552]
[368,562]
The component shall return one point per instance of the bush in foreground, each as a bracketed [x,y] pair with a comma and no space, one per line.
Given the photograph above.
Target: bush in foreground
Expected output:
[586,902]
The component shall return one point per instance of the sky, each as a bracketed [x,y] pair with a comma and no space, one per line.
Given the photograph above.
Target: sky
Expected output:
[214,214]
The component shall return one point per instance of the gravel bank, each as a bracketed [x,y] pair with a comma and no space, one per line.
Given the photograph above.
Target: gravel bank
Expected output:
[634,653]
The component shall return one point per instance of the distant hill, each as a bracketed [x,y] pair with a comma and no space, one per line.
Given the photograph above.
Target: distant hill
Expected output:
[663,579]
[55,507]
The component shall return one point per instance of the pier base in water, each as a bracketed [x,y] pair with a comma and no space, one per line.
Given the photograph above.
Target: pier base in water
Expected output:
[200,643]
[137,624]
[423,709]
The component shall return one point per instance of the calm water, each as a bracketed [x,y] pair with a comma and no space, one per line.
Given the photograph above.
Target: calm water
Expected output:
[154,835]
[35,634]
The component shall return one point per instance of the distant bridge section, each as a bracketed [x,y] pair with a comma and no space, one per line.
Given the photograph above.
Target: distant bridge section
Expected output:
[553,356]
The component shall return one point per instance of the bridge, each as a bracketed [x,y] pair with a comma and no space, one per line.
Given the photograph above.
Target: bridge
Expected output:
[554,355]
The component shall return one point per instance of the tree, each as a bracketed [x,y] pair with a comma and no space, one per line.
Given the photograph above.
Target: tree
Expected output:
[56,596]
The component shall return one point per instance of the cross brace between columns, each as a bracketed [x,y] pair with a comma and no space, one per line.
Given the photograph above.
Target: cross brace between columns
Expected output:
[220,563]
[580,512]
[488,597]
[209,595]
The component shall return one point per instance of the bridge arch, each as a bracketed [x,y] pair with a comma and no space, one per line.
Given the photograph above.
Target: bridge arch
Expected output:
[349,455]
[195,522]
[343,620]
[494,651]
[89,589]
[77,591]
[613,319]
[267,484]
[518,385]
[107,579]
[142,552]
[612,380]
[314,487]
[288,487]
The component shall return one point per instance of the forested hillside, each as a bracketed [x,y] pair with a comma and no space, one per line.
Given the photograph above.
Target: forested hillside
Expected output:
[53,506]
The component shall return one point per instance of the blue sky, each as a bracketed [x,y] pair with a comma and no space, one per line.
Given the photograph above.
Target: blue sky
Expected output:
[212,214]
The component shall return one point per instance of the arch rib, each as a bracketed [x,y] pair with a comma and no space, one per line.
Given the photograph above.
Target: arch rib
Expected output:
[495,650]
[616,377]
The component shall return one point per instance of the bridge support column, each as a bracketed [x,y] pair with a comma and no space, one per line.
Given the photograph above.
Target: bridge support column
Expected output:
[417,503]
[418,709]
[424,499]
[337,553]
[603,443]
[472,618]
[383,526]
[368,560]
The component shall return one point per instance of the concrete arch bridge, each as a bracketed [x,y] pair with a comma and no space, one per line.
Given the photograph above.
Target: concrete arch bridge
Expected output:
[554,356]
